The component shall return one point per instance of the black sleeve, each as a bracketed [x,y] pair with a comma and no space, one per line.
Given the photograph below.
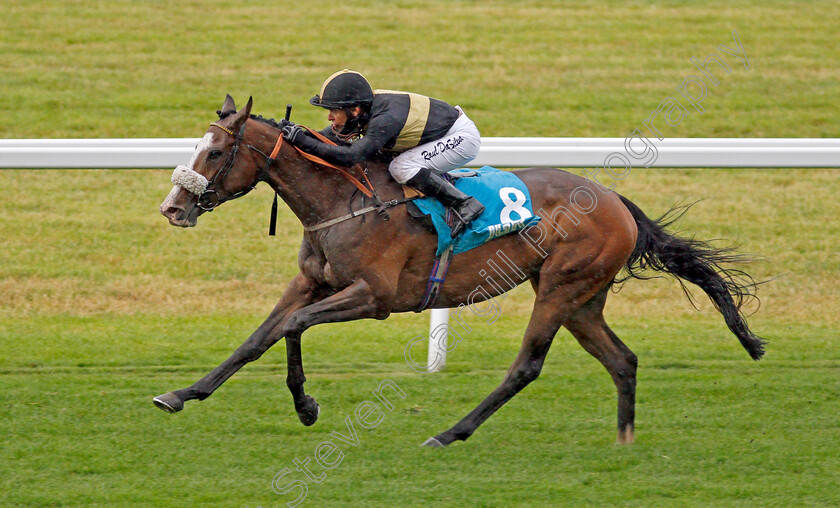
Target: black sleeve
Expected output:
[380,130]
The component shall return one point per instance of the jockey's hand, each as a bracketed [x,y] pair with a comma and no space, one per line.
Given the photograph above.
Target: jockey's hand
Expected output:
[292,132]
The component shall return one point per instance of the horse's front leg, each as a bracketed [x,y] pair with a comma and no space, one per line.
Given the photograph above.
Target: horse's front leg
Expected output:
[357,301]
[300,292]
[306,407]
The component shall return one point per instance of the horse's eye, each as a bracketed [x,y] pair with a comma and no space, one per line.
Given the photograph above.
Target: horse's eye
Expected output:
[215,154]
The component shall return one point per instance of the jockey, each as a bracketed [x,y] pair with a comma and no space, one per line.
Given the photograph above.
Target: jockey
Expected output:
[430,137]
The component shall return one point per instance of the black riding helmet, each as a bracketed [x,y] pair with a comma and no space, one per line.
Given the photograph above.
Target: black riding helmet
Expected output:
[343,90]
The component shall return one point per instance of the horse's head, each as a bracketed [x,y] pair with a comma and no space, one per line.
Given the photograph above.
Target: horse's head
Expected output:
[214,174]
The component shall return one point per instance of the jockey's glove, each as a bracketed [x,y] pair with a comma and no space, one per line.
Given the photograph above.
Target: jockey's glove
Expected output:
[292,132]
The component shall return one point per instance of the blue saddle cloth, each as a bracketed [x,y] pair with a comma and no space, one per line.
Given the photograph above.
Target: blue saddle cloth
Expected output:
[507,205]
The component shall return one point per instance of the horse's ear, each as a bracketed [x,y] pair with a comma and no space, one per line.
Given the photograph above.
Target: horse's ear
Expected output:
[228,108]
[243,114]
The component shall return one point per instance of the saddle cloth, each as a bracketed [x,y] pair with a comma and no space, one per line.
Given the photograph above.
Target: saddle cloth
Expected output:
[507,205]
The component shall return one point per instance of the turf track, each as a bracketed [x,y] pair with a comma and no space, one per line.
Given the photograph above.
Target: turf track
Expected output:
[103,305]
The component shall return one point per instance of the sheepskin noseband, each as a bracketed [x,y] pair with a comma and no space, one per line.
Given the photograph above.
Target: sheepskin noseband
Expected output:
[189,179]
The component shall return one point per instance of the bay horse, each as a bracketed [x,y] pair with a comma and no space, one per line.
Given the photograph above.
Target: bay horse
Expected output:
[371,267]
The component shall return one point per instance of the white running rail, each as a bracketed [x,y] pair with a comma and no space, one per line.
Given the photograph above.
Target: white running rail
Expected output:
[499,152]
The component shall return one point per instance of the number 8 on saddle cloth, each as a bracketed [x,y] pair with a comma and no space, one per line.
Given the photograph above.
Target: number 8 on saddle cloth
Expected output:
[507,208]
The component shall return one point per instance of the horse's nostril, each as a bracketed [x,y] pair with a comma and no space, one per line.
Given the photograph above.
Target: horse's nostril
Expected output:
[171,211]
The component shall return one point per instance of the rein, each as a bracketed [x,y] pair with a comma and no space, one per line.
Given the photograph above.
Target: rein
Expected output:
[208,198]
[366,187]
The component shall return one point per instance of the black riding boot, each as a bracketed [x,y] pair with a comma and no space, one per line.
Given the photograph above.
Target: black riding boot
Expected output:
[465,207]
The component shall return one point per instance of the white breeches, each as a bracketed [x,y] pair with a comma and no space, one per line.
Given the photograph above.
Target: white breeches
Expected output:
[455,149]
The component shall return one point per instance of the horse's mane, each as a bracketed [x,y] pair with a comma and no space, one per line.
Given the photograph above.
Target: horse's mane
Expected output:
[268,121]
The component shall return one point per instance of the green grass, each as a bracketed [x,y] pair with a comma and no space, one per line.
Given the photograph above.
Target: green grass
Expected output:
[157,69]
[103,305]
[713,428]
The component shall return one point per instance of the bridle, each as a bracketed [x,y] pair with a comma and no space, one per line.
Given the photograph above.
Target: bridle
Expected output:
[209,199]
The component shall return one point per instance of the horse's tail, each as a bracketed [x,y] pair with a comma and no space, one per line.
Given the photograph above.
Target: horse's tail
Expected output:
[697,262]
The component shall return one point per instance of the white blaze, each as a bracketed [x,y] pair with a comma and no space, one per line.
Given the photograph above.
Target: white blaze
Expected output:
[203,144]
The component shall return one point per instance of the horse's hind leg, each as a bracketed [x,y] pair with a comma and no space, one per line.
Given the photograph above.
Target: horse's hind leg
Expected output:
[550,311]
[591,331]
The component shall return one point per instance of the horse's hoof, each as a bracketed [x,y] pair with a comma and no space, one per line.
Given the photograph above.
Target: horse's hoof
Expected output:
[625,436]
[169,402]
[310,412]
[432,442]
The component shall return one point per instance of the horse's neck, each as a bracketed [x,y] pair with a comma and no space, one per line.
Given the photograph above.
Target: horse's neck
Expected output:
[313,193]
[316,193]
